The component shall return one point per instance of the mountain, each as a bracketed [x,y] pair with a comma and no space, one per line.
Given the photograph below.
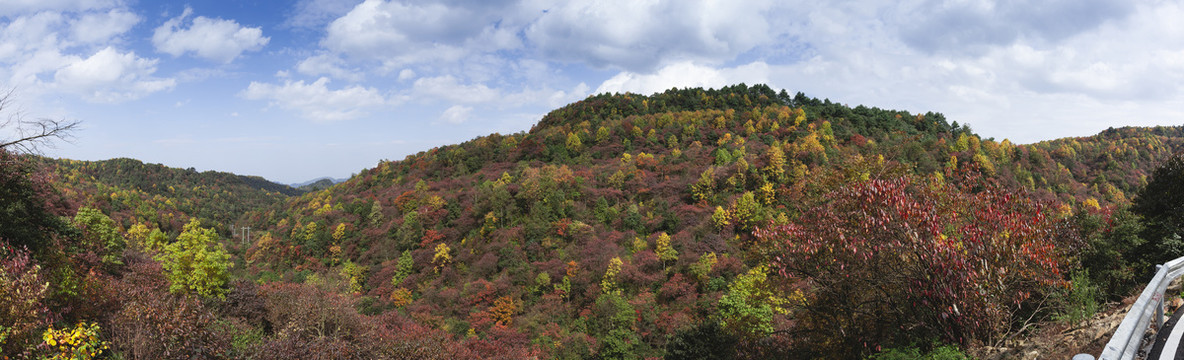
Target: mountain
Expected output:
[132,192]
[620,223]
[317,184]
[696,223]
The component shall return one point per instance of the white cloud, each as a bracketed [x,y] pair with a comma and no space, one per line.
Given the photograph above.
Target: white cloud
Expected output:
[110,76]
[397,33]
[642,35]
[682,75]
[10,7]
[406,74]
[317,13]
[456,114]
[315,101]
[214,39]
[450,89]
[328,64]
[100,27]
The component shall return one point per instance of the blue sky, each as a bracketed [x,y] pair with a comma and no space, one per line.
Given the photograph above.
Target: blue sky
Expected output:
[294,90]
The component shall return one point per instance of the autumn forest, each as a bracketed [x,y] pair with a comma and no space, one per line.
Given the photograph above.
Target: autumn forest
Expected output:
[734,223]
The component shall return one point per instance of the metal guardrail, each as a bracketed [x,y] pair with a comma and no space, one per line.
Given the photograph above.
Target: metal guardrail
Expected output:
[1125,343]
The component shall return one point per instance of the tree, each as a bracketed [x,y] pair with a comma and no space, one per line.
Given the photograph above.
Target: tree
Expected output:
[27,136]
[609,283]
[747,309]
[196,263]
[356,275]
[403,268]
[442,257]
[27,213]
[1160,205]
[100,234]
[663,249]
[955,263]
[704,188]
[23,290]
[573,142]
[375,216]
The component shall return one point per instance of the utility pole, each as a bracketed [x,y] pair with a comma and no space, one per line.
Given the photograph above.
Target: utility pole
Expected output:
[246,234]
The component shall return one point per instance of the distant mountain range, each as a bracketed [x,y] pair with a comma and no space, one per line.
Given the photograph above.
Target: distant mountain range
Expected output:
[320,183]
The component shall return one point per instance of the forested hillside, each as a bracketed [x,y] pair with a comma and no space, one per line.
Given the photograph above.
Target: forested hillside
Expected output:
[132,192]
[731,223]
[646,205]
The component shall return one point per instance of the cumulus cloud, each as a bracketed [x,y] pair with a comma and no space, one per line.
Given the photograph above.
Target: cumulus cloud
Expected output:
[68,47]
[642,35]
[111,76]
[328,64]
[960,26]
[450,89]
[10,7]
[315,101]
[100,27]
[456,114]
[682,75]
[317,13]
[400,33]
[214,39]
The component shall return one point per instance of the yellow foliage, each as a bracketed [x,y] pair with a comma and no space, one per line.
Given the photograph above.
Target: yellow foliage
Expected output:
[766,193]
[442,256]
[720,218]
[401,297]
[503,310]
[1093,203]
[339,233]
[80,343]
[609,283]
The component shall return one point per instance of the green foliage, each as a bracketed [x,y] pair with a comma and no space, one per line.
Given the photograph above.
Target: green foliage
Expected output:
[747,211]
[704,188]
[196,263]
[375,216]
[702,268]
[100,234]
[356,275]
[23,291]
[26,217]
[1159,205]
[942,352]
[720,218]
[602,135]
[608,284]
[663,249]
[1111,256]
[615,321]
[1079,301]
[403,268]
[706,340]
[747,309]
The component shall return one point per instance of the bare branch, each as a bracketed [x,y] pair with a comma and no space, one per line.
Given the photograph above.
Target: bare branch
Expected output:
[31,135]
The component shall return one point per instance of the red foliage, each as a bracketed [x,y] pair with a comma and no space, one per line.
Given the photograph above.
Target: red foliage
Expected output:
[679,290]
[154,324]
[889,255]
[430,238]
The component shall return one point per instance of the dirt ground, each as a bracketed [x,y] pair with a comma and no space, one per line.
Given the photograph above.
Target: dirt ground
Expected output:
[1063,341]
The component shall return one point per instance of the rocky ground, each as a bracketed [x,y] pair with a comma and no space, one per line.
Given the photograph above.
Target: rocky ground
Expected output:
[1063,340]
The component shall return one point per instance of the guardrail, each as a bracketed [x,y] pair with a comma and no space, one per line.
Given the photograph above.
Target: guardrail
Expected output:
[1125,343]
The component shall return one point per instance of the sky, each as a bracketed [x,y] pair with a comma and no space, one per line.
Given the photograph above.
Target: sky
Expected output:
[296,90]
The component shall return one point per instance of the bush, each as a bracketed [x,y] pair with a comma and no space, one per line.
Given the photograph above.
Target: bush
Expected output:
[942,261]
[942,352]
[1079,301]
